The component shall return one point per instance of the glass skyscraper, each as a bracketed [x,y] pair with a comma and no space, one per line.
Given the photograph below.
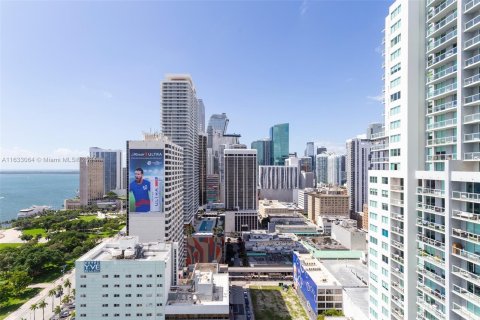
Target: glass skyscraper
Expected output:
[264,153]
[279,135]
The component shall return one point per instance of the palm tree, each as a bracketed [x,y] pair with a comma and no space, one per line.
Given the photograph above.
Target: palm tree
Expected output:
[67,284]
[74,292]
[57,310]
[33,307]
[42,306]
[60,289]
[66,299]
[51,293]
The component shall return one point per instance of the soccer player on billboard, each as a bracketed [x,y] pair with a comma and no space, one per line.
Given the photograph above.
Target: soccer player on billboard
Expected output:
[140,193]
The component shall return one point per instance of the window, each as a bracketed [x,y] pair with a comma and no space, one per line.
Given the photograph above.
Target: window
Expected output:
[395,82]
[373,240]
[395,152]
[395,12]
[139,285]
[384,206]
[128,305]
[373,301]
[373,276]
[385,272]
[385,311]
[83,305]
[128,276]
[105,305]
[385,233]
[139,275]
[116,295]
[395,40]
[83,276]
[83,286]
[373,313]
[395,138]
[384,180]
[384,258]
[149,275]
[105,276]
[394,110]
[373,179]
[116,285]
[128,285]
[395,26]
[105,286]
[373,215]
[373,191]
[105,295]
[373,203]
[395,54]
[395,96]
[395,124]
[373,289]
[385,193]
[384,245]
[397,67]
[116,305]
[128,295]
[384,285]
[373,264]
[394,166]
[373,227]
[384,219]
[373,252]
[116,276]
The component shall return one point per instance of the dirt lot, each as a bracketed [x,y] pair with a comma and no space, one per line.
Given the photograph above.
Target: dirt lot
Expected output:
[272,302]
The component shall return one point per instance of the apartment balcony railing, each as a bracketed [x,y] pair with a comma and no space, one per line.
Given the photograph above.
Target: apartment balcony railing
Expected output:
[442,157]
[397,230]
[431,307]
[439,9]
[442,57]
[397,244]
[472,137]
[397,272]
[430,208]
[471,42]
[472,60]
[472,98]
[397,216]
[472,22]
[432,242]
[437,43]
[442,23]
[381,159]
[398,258]
[431,258]
[462,215]
[431,275]
[469,5]
[436,294]
[465,235]
[443,73]
[429,191]
[442,107]
[378,135]
[471,80]
[472,257]
[444,140]
[381,146]
[472,156]
[431,225]
[464,312]
[472,118]
[467,295]
[443,90]
[398,313]
[396,202]
[442,124]
[464,274]
[469,196]
[396,299]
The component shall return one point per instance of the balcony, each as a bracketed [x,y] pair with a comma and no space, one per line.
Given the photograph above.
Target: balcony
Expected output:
[397,216]
[381,146]
[469,6]
[440,11]
[466,216]
[472,62]
[442,107]
[472,137]
[466,196]
[397,245]
[381,159]
[431,275]
[442,92]
[431,209]
[442,124]
[396,187]
[445,40]
[442,157]
[448,21]
[442,75]
[447,56]
[397,272]
[472,156]
[397,230]
[473,24]
[431,225]
[472,100]
[471,81]
[431,192]
[464,312]
[471,257]
[464,274]
[471,118]
[397,258]
[472,43]
[397,300]
[431,242]
[377,135]
[467,236]
[441,141]
[435,294]
[430,307]
[467,295]
[396,202]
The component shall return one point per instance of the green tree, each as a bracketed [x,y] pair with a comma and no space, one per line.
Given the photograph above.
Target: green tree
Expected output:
[18,280]
[26,237]
[66,299]
[42,305]
[57,310]
[33,307]
[5,293]
[51,293]
[67,284]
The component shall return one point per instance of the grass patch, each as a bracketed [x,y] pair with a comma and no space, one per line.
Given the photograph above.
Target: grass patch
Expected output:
[51,274]
[10,245]
[14,303]
[34,232]
[88,218]
[271,302]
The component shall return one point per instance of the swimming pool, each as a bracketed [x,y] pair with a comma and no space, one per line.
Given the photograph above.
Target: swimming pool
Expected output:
[206,225]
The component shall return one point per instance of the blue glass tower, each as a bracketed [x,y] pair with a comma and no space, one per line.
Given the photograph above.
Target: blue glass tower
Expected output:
[279,135]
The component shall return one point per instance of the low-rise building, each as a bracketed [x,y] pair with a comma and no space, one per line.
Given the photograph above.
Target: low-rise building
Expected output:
[326,202]
[317,288]
[348,235]
[241,220]
[205,295]
[268,208]
[205,245]
[123,279]
[266,242]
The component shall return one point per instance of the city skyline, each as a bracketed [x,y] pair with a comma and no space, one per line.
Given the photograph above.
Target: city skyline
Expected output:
[96,72]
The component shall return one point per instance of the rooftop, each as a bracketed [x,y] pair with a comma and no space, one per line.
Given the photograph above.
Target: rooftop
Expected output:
[318,272]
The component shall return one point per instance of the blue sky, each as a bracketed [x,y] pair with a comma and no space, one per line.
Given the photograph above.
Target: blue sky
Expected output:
[81,74]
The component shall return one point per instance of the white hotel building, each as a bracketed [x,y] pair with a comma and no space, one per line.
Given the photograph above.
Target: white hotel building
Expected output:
[424,185]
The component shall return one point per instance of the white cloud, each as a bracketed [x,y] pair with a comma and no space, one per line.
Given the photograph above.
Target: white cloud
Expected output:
[65,152]
[378,98]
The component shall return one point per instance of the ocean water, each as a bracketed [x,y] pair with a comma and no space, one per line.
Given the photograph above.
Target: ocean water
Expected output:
[22,190]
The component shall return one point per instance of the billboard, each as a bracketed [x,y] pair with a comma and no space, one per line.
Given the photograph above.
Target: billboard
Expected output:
[146,182]
[305,284]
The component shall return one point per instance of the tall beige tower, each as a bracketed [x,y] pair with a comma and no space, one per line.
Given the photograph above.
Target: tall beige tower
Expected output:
[91,180]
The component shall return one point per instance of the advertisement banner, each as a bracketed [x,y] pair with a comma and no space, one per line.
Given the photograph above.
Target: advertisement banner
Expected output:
[146,174]
[305,284]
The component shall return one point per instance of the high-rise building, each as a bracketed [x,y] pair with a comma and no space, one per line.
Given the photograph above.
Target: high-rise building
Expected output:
[357,165]
[112,162]
[264,151]
[213,188]
[180,124]
[124,178]
[322,168]
[310,149]
[155,191]
[280,137]
[201,117]
[202,172]
[373,129]
[240,179]
[321,150]
[92,182]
